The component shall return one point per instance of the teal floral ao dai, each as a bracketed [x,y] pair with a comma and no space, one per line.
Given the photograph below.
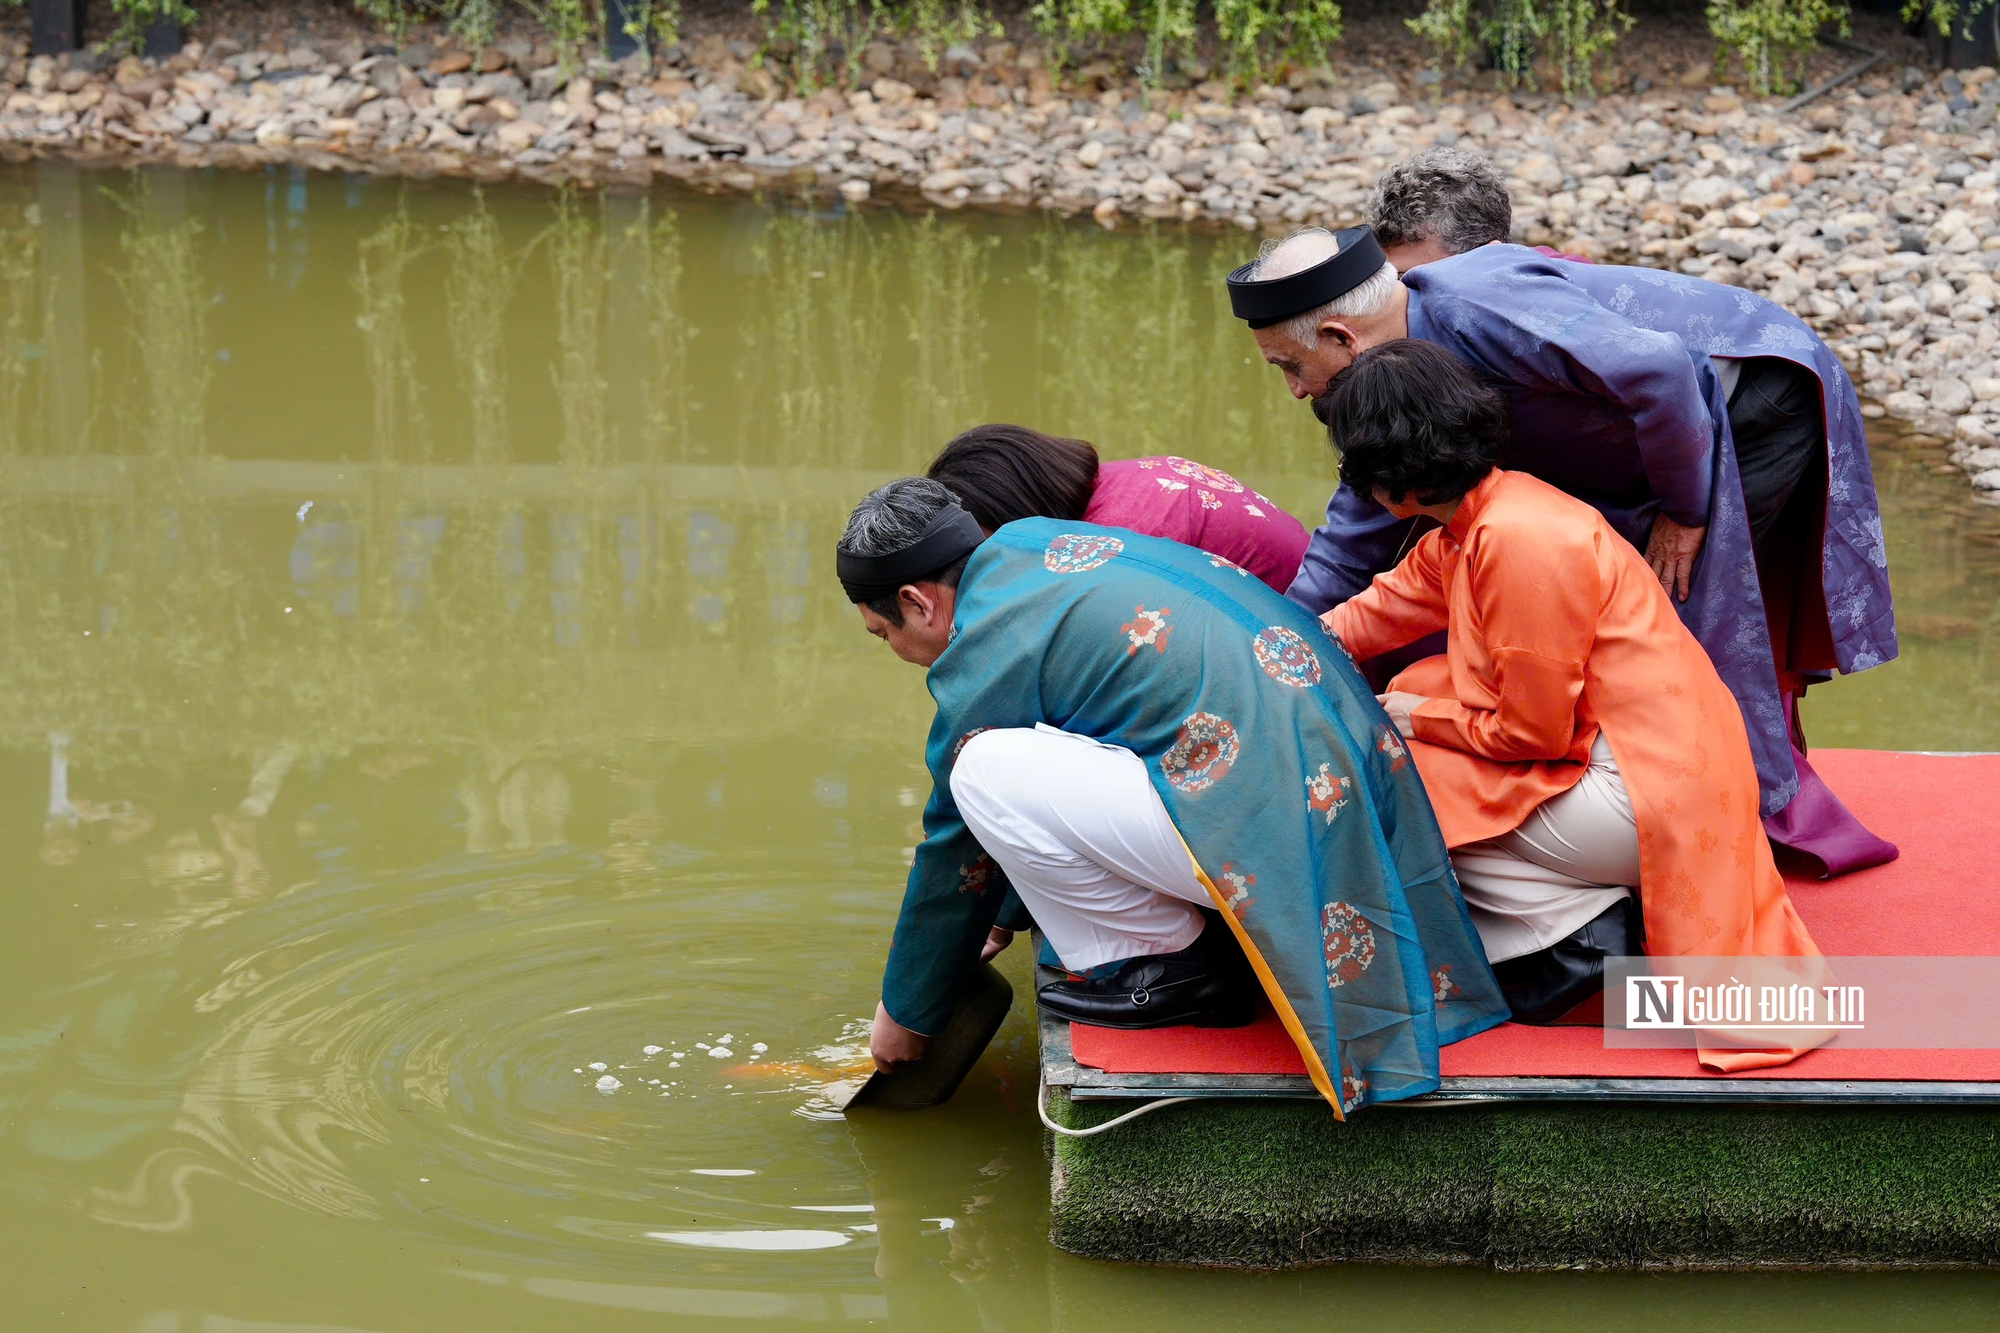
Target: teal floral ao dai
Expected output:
[1290,785]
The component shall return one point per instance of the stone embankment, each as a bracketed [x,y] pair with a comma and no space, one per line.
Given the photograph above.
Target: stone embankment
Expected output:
[1871,212]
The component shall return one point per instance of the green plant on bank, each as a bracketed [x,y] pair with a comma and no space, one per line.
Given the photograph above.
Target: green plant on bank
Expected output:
[823,41]
[940,25]
[1066,23]
[1170,27]
[1513,33]
[1771,37]
[569,24]
[474,21]
[392,16]
[1582,29]
[1451,28]
[1942,14]
[135,16]
[1570,34]
[821,35]
[1259,33]
[648,21]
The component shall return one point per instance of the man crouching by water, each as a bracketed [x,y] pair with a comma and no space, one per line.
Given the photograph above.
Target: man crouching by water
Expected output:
[1176,771]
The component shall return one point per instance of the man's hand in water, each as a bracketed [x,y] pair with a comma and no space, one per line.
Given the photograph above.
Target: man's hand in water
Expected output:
[1671,553]
[996,940]
[893,1044]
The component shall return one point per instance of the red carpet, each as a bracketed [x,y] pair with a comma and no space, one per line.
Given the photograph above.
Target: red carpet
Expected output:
[1941,897]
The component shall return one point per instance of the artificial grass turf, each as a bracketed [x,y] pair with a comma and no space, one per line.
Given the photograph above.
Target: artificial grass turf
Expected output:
[1275,1184]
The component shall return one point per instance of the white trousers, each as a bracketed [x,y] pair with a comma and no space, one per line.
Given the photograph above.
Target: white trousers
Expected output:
[1574,856]
[1084,840]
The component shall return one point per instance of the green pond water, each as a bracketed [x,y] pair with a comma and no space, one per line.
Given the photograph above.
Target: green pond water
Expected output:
[426,697]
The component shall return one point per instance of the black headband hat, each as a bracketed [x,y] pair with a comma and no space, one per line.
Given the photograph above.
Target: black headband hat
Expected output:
[1260,304]
[949,535]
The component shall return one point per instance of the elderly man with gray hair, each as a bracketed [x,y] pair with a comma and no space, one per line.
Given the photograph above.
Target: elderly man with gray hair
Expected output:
[1711,428]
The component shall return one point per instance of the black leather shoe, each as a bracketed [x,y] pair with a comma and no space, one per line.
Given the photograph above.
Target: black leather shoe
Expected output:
[1208,984]
[1563,985]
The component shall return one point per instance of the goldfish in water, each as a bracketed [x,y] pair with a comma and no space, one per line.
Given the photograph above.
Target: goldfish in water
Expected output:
[799,1071]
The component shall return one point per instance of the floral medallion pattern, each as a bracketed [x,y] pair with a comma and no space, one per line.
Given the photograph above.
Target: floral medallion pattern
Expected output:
[1202,754]
[1286,658]
[1392,748]
[1212,478]
[1073,553]
[1326,791]
[1147,629]
[974,878]
[1235,888]
[1350,943]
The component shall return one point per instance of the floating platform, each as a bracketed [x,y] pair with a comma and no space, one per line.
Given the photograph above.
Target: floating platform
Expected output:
[1541,1149]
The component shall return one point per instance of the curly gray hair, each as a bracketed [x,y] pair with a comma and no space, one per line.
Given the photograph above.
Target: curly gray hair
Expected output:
[1453,194]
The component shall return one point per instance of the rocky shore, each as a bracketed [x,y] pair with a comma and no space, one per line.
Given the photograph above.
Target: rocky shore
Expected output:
[1871,211]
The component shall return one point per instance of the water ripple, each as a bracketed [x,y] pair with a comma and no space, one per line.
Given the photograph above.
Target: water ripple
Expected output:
[506,1053]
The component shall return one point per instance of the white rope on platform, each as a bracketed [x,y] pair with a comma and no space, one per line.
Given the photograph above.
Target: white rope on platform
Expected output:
[1042,1110]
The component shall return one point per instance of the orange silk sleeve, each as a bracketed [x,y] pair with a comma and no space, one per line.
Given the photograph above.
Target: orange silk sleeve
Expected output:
[1399,607]
[1537,600]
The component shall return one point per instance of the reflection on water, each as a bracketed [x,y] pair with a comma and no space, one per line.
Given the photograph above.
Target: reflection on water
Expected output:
[1944,563]
[455,822]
